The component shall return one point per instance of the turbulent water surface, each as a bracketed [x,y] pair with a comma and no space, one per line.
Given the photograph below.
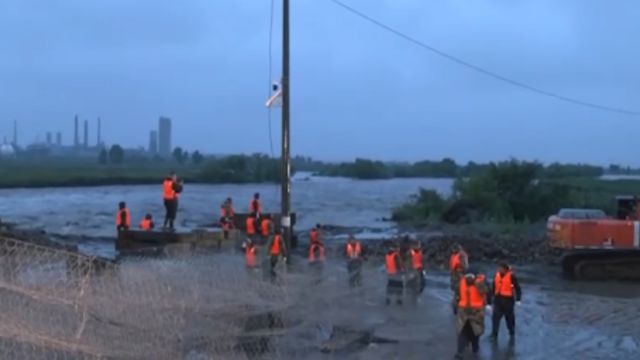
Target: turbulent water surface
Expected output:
[91,210]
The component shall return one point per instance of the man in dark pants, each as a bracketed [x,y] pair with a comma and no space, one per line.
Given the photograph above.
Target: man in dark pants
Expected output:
[505,292]
[171,190]
[277,250]
[354,261]
[395,273]
[123,218]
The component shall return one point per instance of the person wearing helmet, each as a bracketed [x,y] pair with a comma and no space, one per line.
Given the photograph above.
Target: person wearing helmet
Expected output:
[471,303]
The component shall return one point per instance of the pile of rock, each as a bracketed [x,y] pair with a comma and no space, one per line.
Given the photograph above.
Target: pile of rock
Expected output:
[515,250]
[481,247]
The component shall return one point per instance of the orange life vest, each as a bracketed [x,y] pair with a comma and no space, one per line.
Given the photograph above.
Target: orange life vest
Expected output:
[127,218]
[390,260]
[255,206]
[416,259]
[226,225]
[275,245]
[314,235]
[251,226]
[145,224]
[312,252]
[227,211]
[265,226]
[169,193]
[250,256]
[470,297]
[354,251]
[503,285]
[455,262]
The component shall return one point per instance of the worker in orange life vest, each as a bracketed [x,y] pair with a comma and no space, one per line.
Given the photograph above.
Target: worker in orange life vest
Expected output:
[472,293]
[316,247]
[227,215]
[315,235]
[171,189]
[251,226]
[504,293]
[354,261]
[226,209]
[147,223]
[255,206]
[316,256]
[266,227]
[417,265]
[395,272]
[276,250]
[123,217]
[250,255]
[458,264]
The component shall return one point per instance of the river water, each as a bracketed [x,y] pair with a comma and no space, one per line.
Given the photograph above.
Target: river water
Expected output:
[91,210]
[559,319]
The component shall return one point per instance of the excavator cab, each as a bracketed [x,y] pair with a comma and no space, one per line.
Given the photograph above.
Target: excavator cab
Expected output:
[627,207]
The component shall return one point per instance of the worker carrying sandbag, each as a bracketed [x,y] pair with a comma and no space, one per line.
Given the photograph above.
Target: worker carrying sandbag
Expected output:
[471,302]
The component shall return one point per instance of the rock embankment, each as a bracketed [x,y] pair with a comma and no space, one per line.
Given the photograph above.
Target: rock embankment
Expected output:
[482,247]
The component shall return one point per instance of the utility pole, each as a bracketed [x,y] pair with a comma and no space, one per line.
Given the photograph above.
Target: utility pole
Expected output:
[286,166]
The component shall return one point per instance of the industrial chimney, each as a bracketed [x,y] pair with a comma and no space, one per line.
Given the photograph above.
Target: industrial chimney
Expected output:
[15,133]
[86,133]
[99,132]
[75,131]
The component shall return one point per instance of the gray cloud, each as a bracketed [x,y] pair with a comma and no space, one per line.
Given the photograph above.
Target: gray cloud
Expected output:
[357,90]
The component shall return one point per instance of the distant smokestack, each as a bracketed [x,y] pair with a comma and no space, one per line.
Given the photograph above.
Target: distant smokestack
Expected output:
[99,132]
[59,139]
[86,133]
[75,131]
[15,132]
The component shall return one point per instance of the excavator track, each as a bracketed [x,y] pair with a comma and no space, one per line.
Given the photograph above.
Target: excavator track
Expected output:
[603,265]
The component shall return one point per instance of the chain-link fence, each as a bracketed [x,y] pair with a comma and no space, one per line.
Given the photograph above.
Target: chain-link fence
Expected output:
[63,305]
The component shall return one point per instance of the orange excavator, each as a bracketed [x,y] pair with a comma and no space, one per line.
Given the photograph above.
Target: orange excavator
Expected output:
[596,246]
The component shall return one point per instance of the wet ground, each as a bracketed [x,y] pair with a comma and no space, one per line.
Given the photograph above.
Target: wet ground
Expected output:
[558,319]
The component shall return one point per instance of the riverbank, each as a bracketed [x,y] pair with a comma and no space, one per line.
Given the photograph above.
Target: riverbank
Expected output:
[39,173]
[513,192]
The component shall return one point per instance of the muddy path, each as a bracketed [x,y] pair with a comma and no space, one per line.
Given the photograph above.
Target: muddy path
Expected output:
[558,319]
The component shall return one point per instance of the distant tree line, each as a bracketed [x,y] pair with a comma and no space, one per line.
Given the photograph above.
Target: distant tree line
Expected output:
[446,168]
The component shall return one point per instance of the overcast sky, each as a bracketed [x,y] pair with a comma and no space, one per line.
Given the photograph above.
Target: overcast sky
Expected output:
[356,89]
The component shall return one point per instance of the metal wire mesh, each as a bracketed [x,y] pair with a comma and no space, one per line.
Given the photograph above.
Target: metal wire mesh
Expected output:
[63,305]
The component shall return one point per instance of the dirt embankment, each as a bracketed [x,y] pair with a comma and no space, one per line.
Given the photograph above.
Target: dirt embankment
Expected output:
[481,246]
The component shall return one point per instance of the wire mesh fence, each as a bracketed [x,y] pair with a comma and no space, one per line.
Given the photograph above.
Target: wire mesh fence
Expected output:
[64,305]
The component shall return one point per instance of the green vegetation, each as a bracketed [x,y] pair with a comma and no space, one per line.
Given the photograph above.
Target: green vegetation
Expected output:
[110,170]
[446,168]
[514,192]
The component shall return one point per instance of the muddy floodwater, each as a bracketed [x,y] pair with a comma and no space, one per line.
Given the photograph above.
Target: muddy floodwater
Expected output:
[91,210]
[558,318]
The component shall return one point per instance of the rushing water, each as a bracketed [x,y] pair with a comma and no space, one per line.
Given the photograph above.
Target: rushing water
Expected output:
[91,210]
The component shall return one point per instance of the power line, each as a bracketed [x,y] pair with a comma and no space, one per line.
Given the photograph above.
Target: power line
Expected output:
[480,69]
